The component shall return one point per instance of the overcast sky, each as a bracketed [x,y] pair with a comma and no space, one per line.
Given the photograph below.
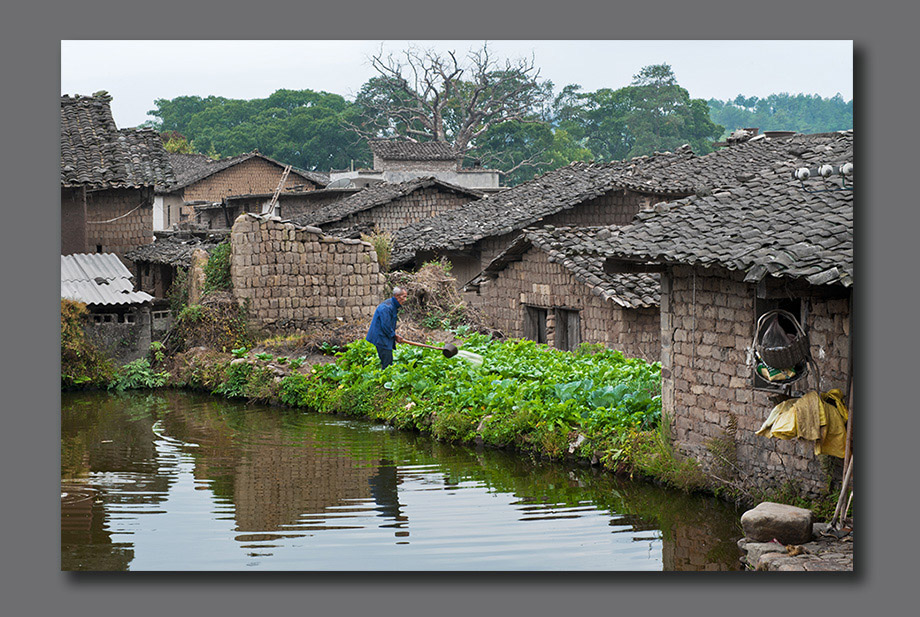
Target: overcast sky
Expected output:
[255,69]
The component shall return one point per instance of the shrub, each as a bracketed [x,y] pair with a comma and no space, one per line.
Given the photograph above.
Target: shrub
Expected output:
[383,246]
[217,270]
[82,364]
[178,291]
[137,375]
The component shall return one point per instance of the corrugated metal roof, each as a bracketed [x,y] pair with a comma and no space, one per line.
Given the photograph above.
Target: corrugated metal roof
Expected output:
[98,278]
[118,291]
[88,266]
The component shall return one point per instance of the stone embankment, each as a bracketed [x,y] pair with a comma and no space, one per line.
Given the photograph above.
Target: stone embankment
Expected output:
[784,538]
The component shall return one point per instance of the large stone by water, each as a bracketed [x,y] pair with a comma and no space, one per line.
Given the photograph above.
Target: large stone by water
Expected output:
[785,524]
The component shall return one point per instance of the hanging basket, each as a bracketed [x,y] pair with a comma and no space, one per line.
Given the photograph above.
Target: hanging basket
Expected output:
[786,356]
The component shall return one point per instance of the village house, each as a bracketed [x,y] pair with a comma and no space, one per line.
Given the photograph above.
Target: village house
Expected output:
[398,161]
[387,207]
[290,203]
[108,178]
[550,286]
[579,194]
[201,180]
[157,265]
[122,320]
[773,242]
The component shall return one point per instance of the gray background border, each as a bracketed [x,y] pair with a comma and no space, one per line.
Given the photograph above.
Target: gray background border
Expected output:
[885,88]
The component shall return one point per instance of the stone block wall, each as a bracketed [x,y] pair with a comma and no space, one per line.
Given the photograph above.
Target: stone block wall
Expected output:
[707,320]
[294,276]
[122,341]
[536,281]
[118,220]
[417,205]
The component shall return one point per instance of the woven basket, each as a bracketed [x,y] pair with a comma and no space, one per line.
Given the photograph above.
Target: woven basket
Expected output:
[790,355]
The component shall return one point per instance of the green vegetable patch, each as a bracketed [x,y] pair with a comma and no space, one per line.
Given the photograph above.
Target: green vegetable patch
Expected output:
[526,396]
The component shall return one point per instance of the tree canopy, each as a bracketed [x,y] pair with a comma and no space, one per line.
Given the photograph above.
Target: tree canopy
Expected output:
[803,113]
[301,127]
[651,114]
[498,113]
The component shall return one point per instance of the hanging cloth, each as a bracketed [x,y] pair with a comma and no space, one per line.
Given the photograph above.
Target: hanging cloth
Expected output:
[813,417]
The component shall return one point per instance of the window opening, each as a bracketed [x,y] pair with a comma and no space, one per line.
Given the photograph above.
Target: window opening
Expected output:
[794,306]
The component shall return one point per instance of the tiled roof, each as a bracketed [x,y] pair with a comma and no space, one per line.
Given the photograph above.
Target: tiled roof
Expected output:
[174,250]
[577,249]
[769,224]
[413,151]
[98,278]
[191,168]
[378,195]
[673,174]
[97,155]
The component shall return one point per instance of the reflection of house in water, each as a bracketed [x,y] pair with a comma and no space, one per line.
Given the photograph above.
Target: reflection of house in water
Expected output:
[103,449]
[276,484]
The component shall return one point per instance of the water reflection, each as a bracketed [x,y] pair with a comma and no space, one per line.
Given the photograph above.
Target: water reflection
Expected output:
[177,481]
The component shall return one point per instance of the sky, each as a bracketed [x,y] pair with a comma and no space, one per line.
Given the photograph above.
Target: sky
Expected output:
[254,69]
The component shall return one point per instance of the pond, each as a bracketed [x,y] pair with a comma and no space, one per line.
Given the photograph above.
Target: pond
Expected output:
[178,481]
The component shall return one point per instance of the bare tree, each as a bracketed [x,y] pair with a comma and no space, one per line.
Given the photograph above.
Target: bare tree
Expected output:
[422,95]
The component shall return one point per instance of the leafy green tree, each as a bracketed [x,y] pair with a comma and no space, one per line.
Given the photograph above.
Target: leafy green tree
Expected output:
[173,141]
[803,113]
[652,114]
[525,150]
[301,127]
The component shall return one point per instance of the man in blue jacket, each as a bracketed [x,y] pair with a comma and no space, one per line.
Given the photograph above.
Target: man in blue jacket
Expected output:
[382,332]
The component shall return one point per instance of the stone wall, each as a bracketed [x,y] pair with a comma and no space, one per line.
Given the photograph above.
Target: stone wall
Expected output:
[708,320]
[118,220]
[122,341]
[417,205]
[535,281]
[294,276]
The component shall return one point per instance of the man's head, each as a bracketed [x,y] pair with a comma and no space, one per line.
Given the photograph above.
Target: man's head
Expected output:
[400,294]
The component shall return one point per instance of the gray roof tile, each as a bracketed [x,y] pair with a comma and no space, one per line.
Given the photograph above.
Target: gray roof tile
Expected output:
[768,225]
[671,174]
[579,250]
[97,155]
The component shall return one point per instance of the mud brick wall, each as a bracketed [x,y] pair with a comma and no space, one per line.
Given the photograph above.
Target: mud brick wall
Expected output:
[538,282]
[293,276]
[418,205]
[116,223]
[73,222]
[617,207]
[707,323]
[254,175]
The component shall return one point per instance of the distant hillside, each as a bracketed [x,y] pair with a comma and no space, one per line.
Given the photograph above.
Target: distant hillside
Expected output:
[804,113]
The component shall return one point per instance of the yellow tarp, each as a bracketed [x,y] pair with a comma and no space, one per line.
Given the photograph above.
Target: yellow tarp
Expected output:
[813,417]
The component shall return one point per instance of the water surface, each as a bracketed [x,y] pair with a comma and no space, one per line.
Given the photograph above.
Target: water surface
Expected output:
[177,481]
